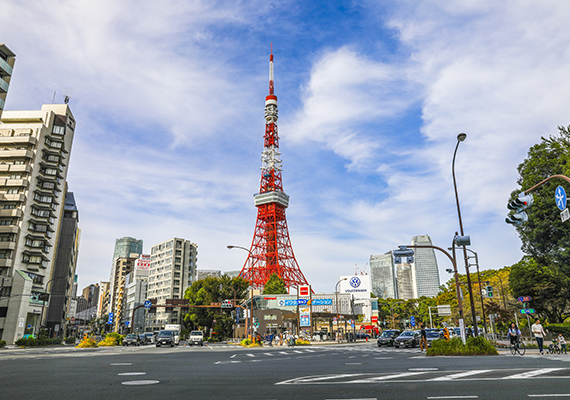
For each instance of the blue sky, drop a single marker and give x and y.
(168, 98)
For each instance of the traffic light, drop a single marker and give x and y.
(518, 206)
(403, 252)
(489, 291)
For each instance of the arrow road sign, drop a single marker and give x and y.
(560, 197)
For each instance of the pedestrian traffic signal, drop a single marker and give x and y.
(489, 291)
(518, 205)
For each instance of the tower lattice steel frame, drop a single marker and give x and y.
(271, 250)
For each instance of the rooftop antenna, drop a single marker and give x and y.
(66, 97)
(53, 100)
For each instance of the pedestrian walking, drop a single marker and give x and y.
(423, 338)
(562, 343)
(539, 335)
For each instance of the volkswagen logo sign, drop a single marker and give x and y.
(354, 282)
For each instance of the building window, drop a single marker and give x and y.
(9, 206)
(58, 130)
(13, 191)
(6, 222)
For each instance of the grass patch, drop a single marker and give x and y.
(475, 346)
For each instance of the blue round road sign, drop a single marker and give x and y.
(560, 198)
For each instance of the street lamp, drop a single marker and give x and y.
(336, 295)
(460, 138)
(229, 246)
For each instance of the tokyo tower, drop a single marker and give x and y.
(271, 250)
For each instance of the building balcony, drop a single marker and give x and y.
(9, 229)
(6, 262)
(19, 168)
(10, 153)
(15, 212)
(7, 245)
(3, 86)
(14, 182)
(5, 68)
(19, 197)
(24, 139)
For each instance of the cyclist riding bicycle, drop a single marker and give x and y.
(514, 334)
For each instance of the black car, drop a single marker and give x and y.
(165, 338)
(407, 338)
(387, 337)
(433, 335)
(132, 339)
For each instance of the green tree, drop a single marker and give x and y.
(544, 236)
(214, 290)
(546, 284)
(275, 285)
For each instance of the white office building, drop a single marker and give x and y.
(426, 273)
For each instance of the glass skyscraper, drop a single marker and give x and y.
(425, 268)
(382, 276)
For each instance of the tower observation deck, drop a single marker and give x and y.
(271, 250)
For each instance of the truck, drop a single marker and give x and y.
(196, 338)
(176, 329)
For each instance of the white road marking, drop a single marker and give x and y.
(423, 369)
(460, 375)
(549, 395)
(132, 373)
(530, 374)
(250, 355)
(454, 397)
(122, 364)
(233, 356)
(131, 383)
(386, 377)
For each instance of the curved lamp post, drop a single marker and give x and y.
(460, 138)
(229, 246)
(336, 295)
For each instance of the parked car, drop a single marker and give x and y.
(149, 337)
(320, 336)
(387, 337)
(433, 335)
(407, 338)
(132, 339)
(362, 335)
(165, 338)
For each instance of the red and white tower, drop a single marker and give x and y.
(271, 250)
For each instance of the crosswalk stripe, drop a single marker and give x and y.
(460, 375)
(530, 374)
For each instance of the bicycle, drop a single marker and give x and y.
(553, 348)
(518, 347)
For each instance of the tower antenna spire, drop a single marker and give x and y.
(271, 79)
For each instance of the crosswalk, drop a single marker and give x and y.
(434, 376)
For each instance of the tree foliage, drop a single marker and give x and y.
(275, 285)
(214, 290)
(544, 273)
(546, 284)
(544, 236)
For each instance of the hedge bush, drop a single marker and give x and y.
(69, 340)
(2, 344)
(555, 329)
(36, 342)
(302, 342)
(475, 346)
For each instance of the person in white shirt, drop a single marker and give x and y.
(562, 343)
(538, 334)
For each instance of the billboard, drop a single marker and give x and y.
(357, 285)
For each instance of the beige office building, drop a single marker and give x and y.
(172, 270)
(34, 158)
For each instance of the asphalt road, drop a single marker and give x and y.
(344, 371)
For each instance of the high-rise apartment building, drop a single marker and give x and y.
(34, 159)
(64, 267)
(118, 295)
(425, 268)
(172, 270)
(124, 247)
(383, 276)
(7, 59)
(137, 284)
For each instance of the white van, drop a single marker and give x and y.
(176, 329)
